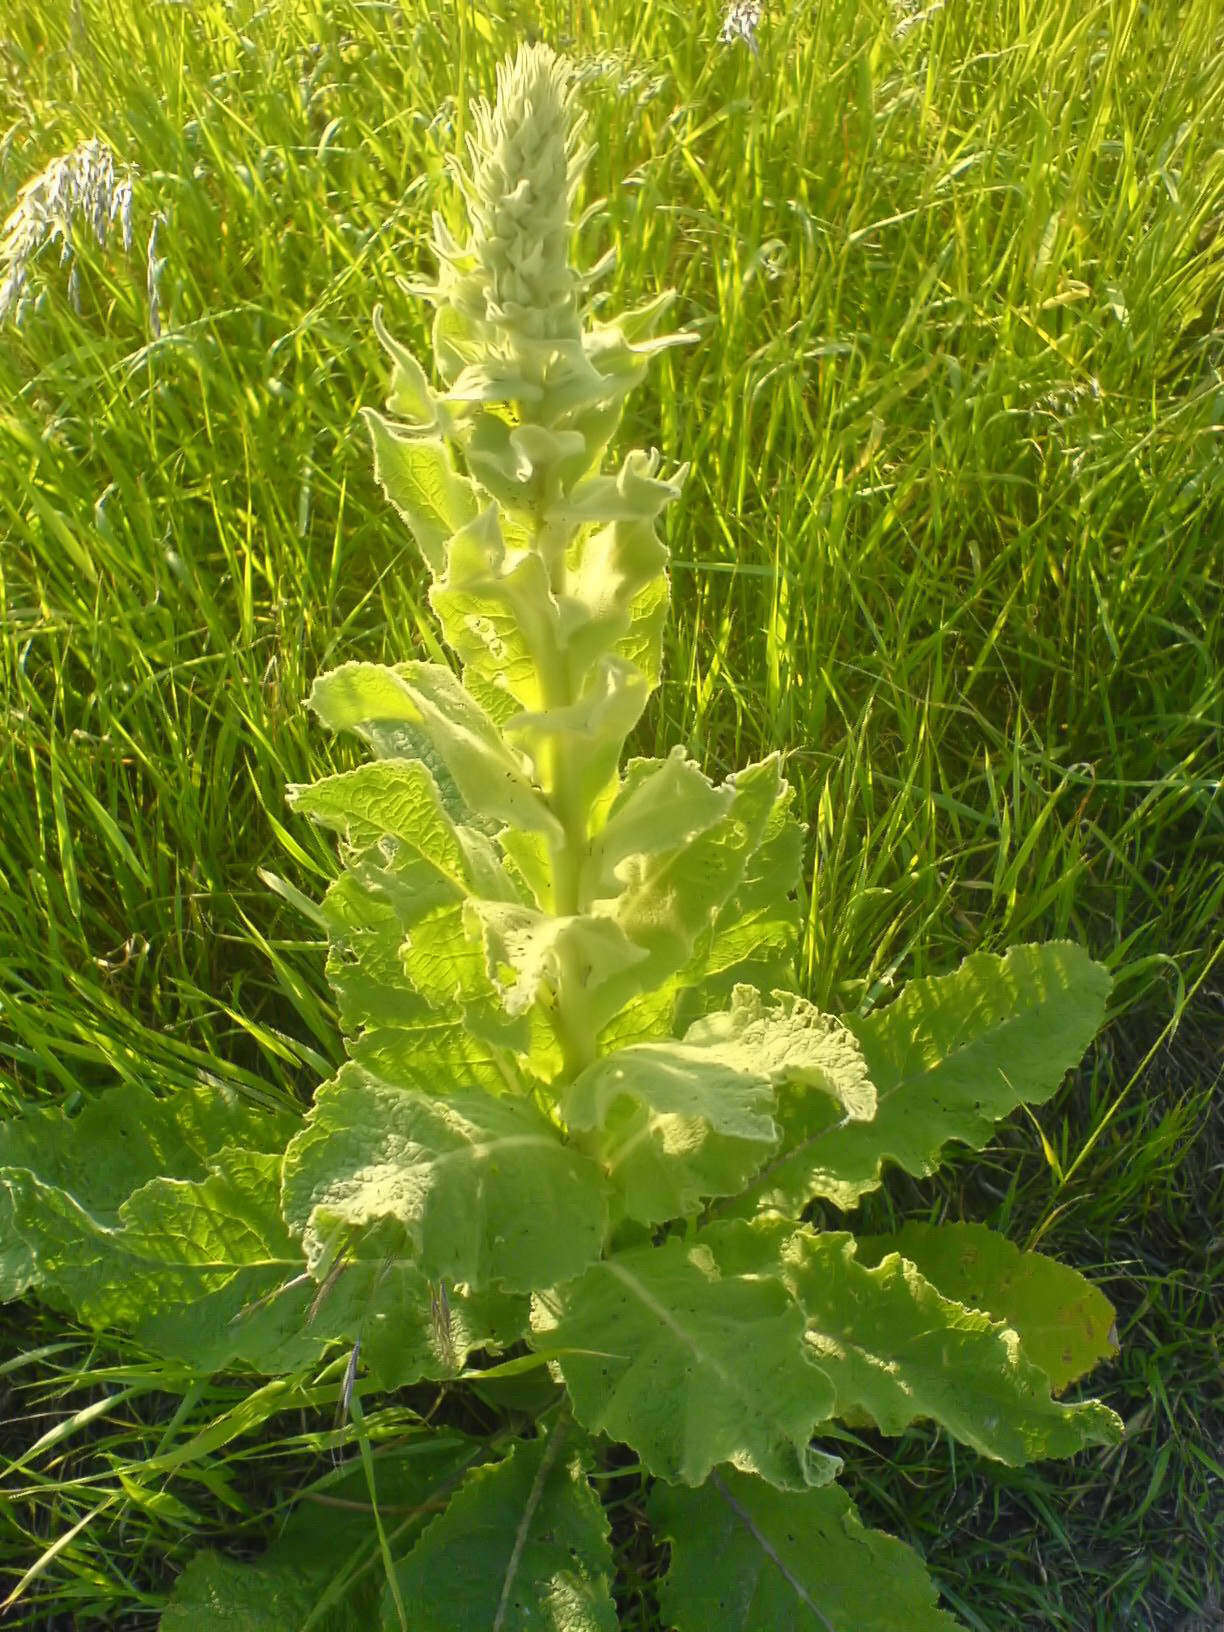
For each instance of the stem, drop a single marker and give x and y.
(571, 1019)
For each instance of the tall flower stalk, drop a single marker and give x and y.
(548, 577)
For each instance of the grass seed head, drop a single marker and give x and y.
(85, 186)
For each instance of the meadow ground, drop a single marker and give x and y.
(951, 539)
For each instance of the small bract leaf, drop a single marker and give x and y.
(586, 735)
(690, 1367)
(522, 1545)
(497, 612)
(418, 475)
(390, 799)
(668, 900)
(528, 952)
(410, 397)
(662, 804)
(746, 1557)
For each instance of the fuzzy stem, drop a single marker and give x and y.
(571, 1020)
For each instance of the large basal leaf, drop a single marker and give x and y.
(951, 1056)
(182, 1261)
(205, 1271)
(85, 1166)
(486, 1190)
(523, 1547)
(209, 1273)
(324, 1571)
(688, 1366)
(1065, 1325)
(893, 1348)
(748, 1558)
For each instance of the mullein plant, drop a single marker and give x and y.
(569, 1165)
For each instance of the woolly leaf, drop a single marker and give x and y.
(376, 702)
(793, 1042)
(418, 475)
(85, 1166)
(1065, 1324)
(408, 1326)
(484, 1188)
(682, 1121)
(617, 593)
(745, 1557)
(671, 899)
(662, 804)
(585, 736)
(529, 953)
(522, 1545)
(751, 938)
(182, 1262)
(673, 1126)
(497, 612)
(949, 1057)
(393, 799)
(413, 991)
(754, 937)
(892, 1347)
(689, 1367)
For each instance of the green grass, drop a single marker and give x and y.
(951, 539)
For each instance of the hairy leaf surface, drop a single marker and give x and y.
(891, 1346)
(1064, 1323)
(485, 1189)
(678, 1122)
(949, 1057)
(419, 476)
(498, 613)
(374, 700)
(690, 1367)
(746, 1557)
(523, 1545)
